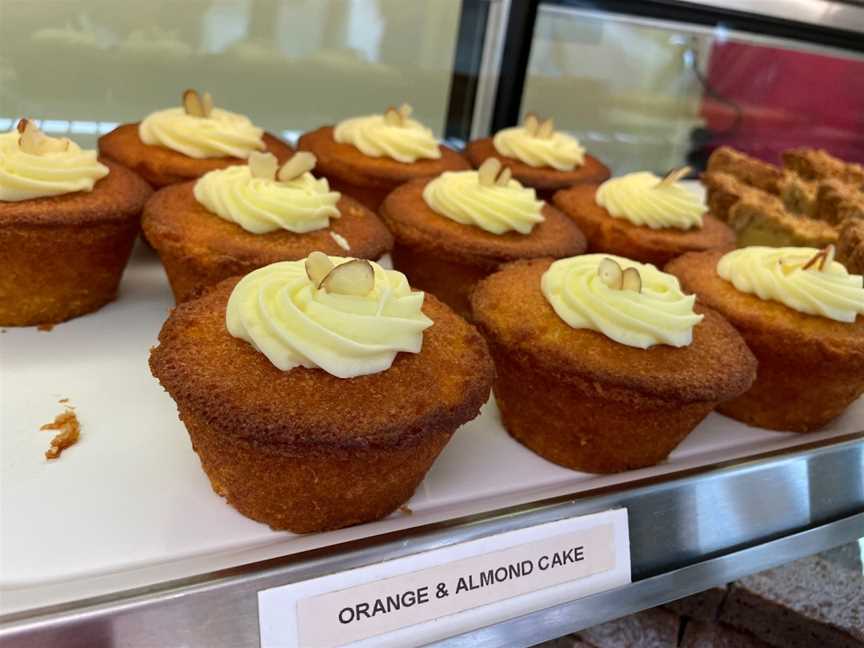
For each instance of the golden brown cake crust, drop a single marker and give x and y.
(162, 166)
(511, 310)
(544, 178)
(418, 226)
(347, 163)
(117, 197)
(225, 383)
(808, 337)
(619, 236)
(174, 218)
(63, 256)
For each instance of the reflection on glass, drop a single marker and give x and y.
(646, 94)
(292, 65)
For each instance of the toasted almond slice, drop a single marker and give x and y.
(318, 266)
(531, 123)
(504, 177)
(263, 165)
(829, 257)
(488, 171)
(392, 117)
(28, 141)
(610, 273)
(297, 165)
(356, 277)
(192, 103)
(631, 280)
(674, 176)
(405, 111)
(546, 129)
(207, 104)
(53, 144)
(819, 258)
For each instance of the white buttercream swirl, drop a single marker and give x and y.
(222, 134)
(777, 274)
(259, 205)
(458, 195)
(559, 151)
(641, 199)
(660, 314)
(374, 137)
(24, 176)
(280, 312)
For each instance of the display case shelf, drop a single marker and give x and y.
(689, 530)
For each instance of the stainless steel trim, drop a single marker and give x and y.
(490, 64)
(678, 522)
(576, 615)
(719, 33)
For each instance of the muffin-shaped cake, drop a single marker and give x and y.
(603, 364)
(368, 157)
(802, 315)
(67, 225)
(455, 229)
(317, 394)
(234, 220)
(643, 217)
(539, 156)
(179, 144)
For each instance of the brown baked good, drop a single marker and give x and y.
(809, 366)
(818, 164)
(605, 233)
(63, 256)
(748, 170)
(448, 258)
(546, 180)
(850, 246)
(584, 401)
(161, 166)
(803, 203)
(338, 451)
(701, 634)
(370, 179)
(198, 248)
(802, 604)
(759, 217)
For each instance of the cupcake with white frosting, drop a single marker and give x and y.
(604, 364)
(68, 220)
(455, 229)
(234, 220)
(644, 217)
(802, 314)
(539, 156)
(367, 157)
(317, 393)
(179, 144)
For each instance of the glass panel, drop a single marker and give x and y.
(290, 65)
(649, 94)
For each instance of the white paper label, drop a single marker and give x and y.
(450, 590)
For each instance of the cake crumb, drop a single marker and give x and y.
(406, 510)
(45, 327)
(69, 432)
(341, 241)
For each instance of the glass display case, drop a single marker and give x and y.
(125, 544)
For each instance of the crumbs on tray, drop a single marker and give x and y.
(69, 430)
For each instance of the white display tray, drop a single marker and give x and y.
(129, 504)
